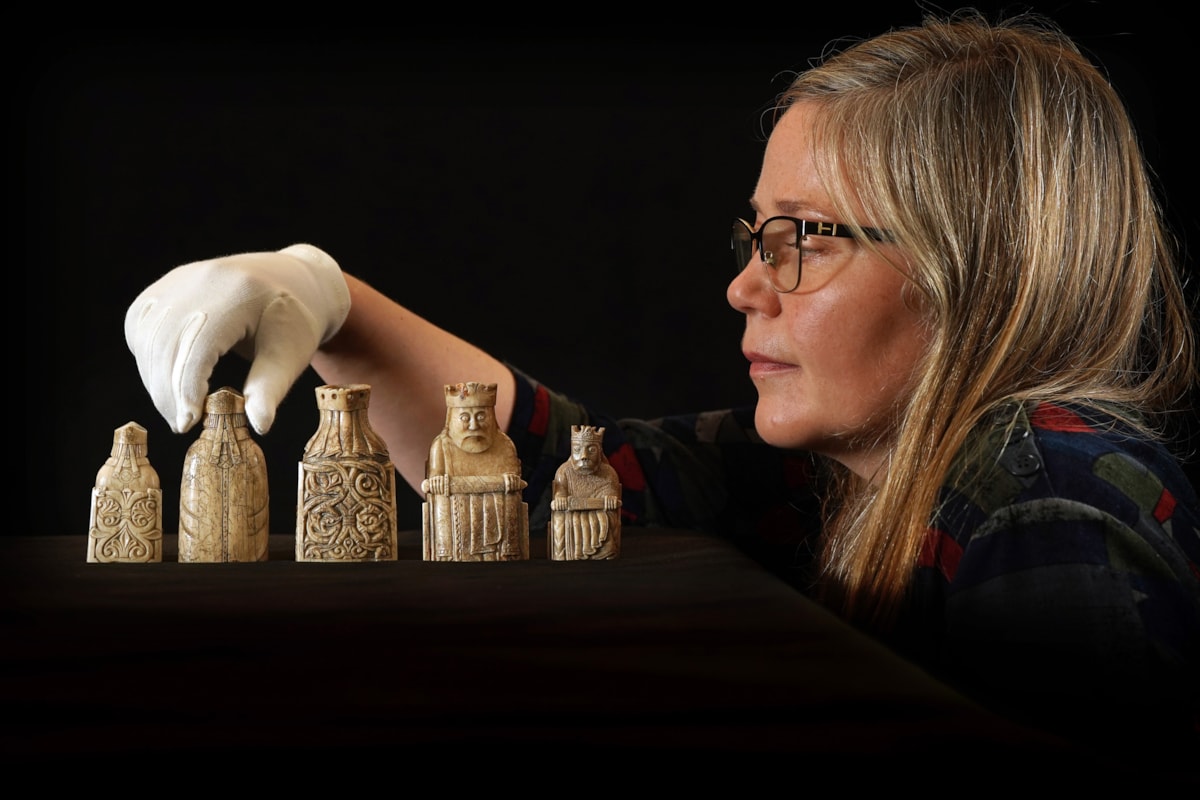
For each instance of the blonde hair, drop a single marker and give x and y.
(1009, 172)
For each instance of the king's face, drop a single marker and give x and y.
(471, 429)
(585, 456)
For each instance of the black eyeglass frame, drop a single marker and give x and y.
(804, 227)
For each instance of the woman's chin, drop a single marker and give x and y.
(778, 424)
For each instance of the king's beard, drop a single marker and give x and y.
(474, 444)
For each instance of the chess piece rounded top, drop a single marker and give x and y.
(225, 401)
(127, 463)
(129, 435)
(349, 397)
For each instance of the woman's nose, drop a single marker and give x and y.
(751, 291)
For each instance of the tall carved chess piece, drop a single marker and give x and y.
(126, 518)
(224, 505)
(346, 509)
(473, 509)
(585, 517)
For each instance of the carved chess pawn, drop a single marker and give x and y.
(126, 516)
(473, 509)
(346, 508)
(224, 506)
(585, 516)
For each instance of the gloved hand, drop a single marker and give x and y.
(275, 309)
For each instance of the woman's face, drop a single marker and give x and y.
(831, 359)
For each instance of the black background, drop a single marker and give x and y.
(513, 187)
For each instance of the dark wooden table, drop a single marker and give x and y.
(682, 654)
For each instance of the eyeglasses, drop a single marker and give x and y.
(778, 242)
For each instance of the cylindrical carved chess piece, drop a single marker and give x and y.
(224, 508)
(126, 517)
(346, 498)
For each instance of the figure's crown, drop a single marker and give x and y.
(129, 435)
(344, 397)
(587, 434)
(225, 400)
(471, 394)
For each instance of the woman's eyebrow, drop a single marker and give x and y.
(793, 208)
(798, 208)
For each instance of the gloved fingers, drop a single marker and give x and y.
(283, 347)
(193, 365)
(139, 335)
(274, 308)
(176, 354)
(173, 369)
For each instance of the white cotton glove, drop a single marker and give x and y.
(275, 309)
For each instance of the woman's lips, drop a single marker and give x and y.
(763, 365)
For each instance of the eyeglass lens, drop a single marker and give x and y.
(780, 251)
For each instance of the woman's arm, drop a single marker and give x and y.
(407, 361)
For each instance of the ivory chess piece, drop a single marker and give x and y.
(224, 507)
(126, 516)
(473, 509)
(346, 508)
(585, 517)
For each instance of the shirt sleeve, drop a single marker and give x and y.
(707, 471)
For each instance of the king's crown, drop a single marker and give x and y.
(587, 434)
(470, 394)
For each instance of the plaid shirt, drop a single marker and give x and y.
(1059, 580)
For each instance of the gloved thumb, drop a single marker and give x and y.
(282, 353)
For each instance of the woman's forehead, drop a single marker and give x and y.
(789, 182)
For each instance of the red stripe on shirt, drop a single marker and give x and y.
(541, 411)
(1056, 418)
(1165, 507)
(628, 469)
(941, 551)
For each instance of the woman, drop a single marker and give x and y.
(1013, 408)
(964, 324)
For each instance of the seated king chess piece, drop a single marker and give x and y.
(473, 509)
(585, 517)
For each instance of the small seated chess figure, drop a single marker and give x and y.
(585, 517)
(473, 509)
